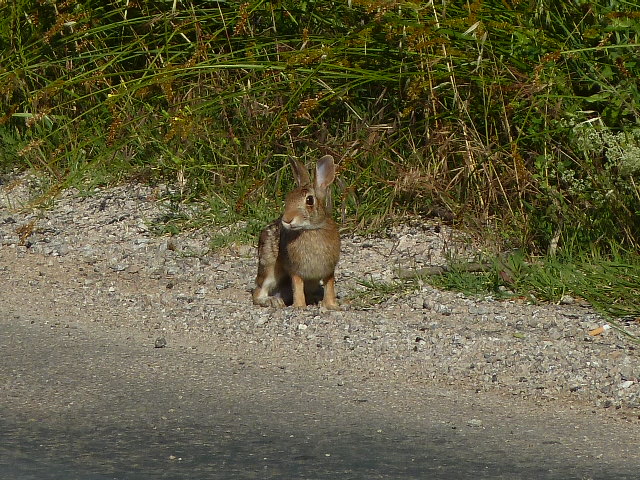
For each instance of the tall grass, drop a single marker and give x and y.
(516, 118)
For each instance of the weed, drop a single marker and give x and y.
(373, 292)
(611, 285)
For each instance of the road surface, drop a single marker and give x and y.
(79, 401)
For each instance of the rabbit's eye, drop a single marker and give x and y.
(310, 200)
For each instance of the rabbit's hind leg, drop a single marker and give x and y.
(267, 283)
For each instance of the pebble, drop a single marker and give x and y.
(474, 422)
(261, 321)
(567, 300)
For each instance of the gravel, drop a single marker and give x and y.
(96, 255)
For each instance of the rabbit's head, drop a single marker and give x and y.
(306, 206)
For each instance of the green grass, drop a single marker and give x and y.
(611, 285)
(225, 225)
(517, 120)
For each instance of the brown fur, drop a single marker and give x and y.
(300, 250)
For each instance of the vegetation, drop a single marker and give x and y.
(518, 120)
(609, 284)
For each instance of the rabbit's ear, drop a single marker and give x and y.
(325, 173)
(300, 172)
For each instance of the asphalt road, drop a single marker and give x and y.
(92, 404)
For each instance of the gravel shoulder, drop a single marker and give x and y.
(94, 259)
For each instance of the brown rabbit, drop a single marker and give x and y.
(302, 247)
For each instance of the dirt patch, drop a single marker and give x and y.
(94, 258)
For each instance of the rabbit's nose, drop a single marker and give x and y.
(288, 225)
(292, 223)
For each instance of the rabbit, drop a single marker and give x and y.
(302, 247)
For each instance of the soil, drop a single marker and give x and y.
(93, 257)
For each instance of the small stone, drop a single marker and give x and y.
(474, 422)
(438, 308)
(567, 300)
(160, 342)
(629, 371)
(555, 334)
(478, 310)
(172, 270)
(261, 321)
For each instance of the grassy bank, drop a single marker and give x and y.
(516, 120)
